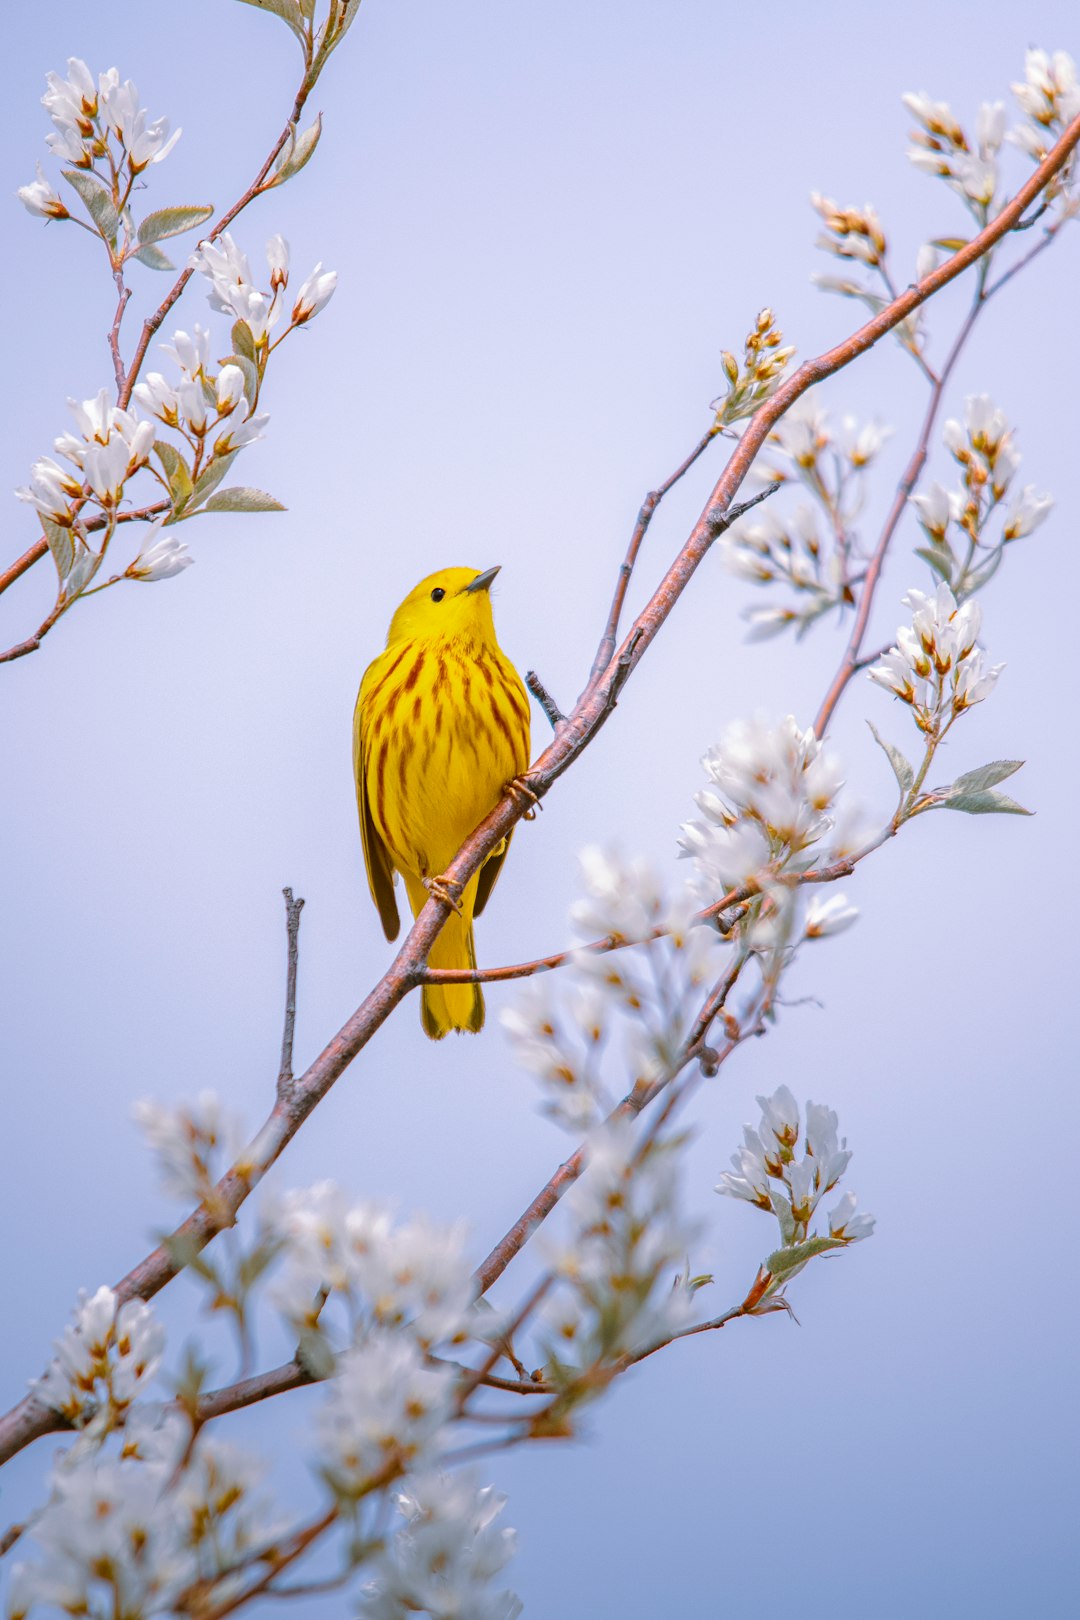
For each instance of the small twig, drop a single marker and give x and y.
(545, 700)
(114, 330)
(722, 520)
(293, 908)
(626, 567)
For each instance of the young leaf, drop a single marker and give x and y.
(938, 561)
(60, 544)
(987, 776)
(242, 340)
(153, 258)
(288, 10)
(903, 772)
(985, 803)
(239, 499)
(298, 152)
(171, 222)
(783, 1262)
(211, 476)
(98, 202)
(176, 471)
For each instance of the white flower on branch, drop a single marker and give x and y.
(232, 289)
(775, 787)
(935, 666)
(1029, 509)
(144, 143)
(72, 104)
(159, 398)
(412, 1274)
(190, 1142)
(191, 353)
(846, 1225)
(242, 429)
(161, 556)
(314, 295)
(1049, 96)
(770, 1174)
(627, 1242)
(104, 426)
(829, 916)
(384, 1413)
(443, 1560)
(106, 1357)
(277, 257)
(850, 233)
(51, 490)
(40, 198)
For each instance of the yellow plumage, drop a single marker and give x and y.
(441, 726)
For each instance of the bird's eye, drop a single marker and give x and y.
(437, 594)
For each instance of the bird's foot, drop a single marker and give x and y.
(445, 890)
(524, 794)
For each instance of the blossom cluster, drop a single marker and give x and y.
(96, 122)
(620, 1265)
(108, 1356)
(765, 358)
(957, 522)
(443, 1559)
(560, 1026)
(1049, 98)
(771, 1173)
(409, 1276)
(936, 666)
(940, 147)
(827, 463)
(138, 1531)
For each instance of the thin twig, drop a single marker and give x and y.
(114, 330)
(293, 908)
(626, 567)
(545, 700)
(157, 1269)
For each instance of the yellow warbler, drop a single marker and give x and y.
(441, 728)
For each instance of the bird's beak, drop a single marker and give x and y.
(482, 582)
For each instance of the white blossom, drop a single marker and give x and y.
(191, 353)
(846, 1225)
(384, 1410)
(935, 666)
(1027, 512)
(188, 1142)
(161, 556)
(145, 143)
(51, 490)
(41, 198)
(106, 1356)
(444, 1559)
(829, 916)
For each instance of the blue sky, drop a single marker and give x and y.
(547, 224)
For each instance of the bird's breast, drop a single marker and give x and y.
(446, 726)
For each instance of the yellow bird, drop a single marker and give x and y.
(441, 729)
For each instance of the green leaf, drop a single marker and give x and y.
(288, 10)
(98, 202)
(153, 258)
(243, 340)
(784, 1262)
(986, 803)
(949, 244)
(211, 476)
(939, 561)
(176, 471)
(987, 776)
(60, 543)
(251, 376)
(339, 20)
(172, 222)
(782, 1211)
(240, 499)
(296, 153)
(904, 773)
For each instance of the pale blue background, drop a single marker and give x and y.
(548, 221)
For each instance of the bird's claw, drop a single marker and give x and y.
(519, 788)
(443, 889)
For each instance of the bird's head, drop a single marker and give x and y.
(455, 602)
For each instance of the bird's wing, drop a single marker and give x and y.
(489, 876)
(380, 871)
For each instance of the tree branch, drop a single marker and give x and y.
(159, 1267)
(293, 908)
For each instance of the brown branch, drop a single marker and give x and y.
(852, 660)
(114, 330)
(159, 1267)
(626, 567)
(293, 908)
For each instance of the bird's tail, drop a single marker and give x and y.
(450, 1006)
